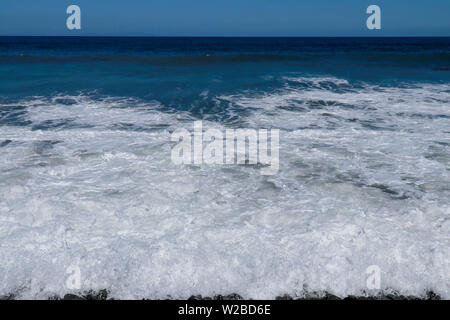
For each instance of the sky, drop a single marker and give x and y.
(225, 17)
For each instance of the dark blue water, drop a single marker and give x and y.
(175, 70)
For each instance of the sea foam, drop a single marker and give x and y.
(363, 180)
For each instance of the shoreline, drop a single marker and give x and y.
(104, 295)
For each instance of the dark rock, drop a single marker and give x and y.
(100, 295)
(359, 298)
(329, 296)
(72, 297)
(394, 297)
(432, 296)
(284, 297)
(232, 296)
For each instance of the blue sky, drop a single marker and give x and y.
(226, 17)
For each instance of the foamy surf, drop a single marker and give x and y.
(363, 180)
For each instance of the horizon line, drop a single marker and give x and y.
(223, 36)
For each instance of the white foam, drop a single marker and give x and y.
(111, 202)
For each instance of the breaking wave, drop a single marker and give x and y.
(364, 180)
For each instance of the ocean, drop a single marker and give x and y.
(90, 199)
